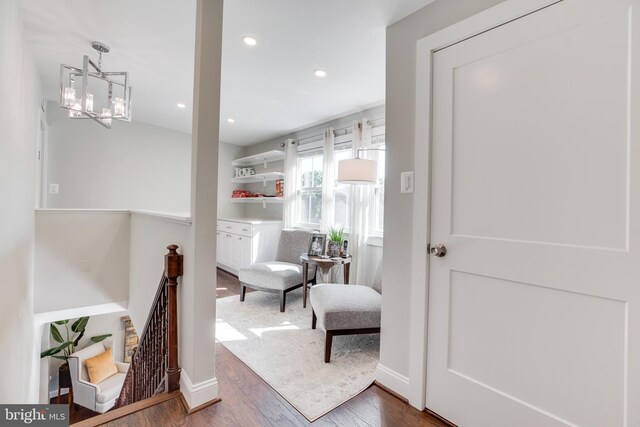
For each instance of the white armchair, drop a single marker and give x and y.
(98, 397)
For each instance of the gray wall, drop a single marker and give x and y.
(400, 126)
(130, 166)
(21, 91)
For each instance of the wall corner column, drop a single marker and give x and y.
(198, 292)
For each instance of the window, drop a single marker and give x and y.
(309, 202)
(309, 193)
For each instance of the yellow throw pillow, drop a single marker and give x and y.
(101, 367)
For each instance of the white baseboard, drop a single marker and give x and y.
(391, 379)
(54, 393)
(198, 394)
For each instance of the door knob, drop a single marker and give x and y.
(438, 250)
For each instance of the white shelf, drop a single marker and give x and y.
(261, 158)
(259, 177)
(257, 199)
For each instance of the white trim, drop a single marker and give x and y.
(184, 219)
(82, 211)
(180, 218)
(425, 48)
(394, 381)
(198, 394)
(54, 393)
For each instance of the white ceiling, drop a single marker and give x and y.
(268, 89)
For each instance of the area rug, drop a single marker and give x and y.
(284, 351)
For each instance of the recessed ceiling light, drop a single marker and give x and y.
(320, 73)
(181, 105)
(230, 120)
(250, 41)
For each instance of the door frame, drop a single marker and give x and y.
(425, 49)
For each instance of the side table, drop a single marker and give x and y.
(325, 264)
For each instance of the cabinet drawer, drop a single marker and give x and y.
(240, 228)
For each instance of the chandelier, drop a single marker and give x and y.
(91, 93)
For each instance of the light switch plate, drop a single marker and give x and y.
(54, 188)
(406, 182)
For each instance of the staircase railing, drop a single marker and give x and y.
(154, 365)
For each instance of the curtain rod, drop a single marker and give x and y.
(347, 130)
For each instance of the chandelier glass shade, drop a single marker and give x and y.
(91, 93)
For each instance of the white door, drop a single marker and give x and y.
(533, 312)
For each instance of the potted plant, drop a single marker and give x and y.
(68, 340)
(336, 237)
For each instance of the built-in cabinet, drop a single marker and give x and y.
(242, 242)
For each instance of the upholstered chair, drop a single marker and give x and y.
(98, 397)
(346, 309)
(282, 275)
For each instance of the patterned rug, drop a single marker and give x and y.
(284, 351)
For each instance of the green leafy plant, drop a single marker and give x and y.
(336, 234)
(69, 338)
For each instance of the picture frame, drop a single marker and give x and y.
(317, 244)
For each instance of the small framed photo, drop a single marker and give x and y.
(317, 244)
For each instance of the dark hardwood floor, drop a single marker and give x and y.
(248, 401)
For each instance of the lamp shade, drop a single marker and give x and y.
(357, 171)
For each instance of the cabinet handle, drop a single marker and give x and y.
(244, 229)
(229, 227)
(239, 238)
(228, 235)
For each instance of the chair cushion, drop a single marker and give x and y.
(101, 367)
(110, 388)
(292, 244)
(271, 275)
(346, 306)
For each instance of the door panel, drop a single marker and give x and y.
(532, 313)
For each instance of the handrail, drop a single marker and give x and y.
(154, 364)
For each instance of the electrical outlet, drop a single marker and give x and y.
(406, 182)
(54, 188)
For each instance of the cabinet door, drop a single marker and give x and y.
(225, 249)
(218, 246)
(246, 247)
(236, 251)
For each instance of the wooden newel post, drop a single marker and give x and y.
(173, 270)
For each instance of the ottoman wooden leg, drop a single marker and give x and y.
(314, 319)
(328, 340)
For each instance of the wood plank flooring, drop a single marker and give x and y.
(248, 401)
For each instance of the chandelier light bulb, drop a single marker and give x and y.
(69, 96)
(106, 115)
(118, 107)
(89, 102)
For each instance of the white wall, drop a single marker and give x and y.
(130, 166)
(81, 259)
(98, 325)
(400, 126)
(20, 88)
(226, 154)
(148, 246)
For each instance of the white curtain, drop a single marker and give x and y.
(328, 180)
(290, 182)
(361, 200)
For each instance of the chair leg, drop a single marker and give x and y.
(314, 319)
(243, 290)
(328, 340)
(283, 299)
